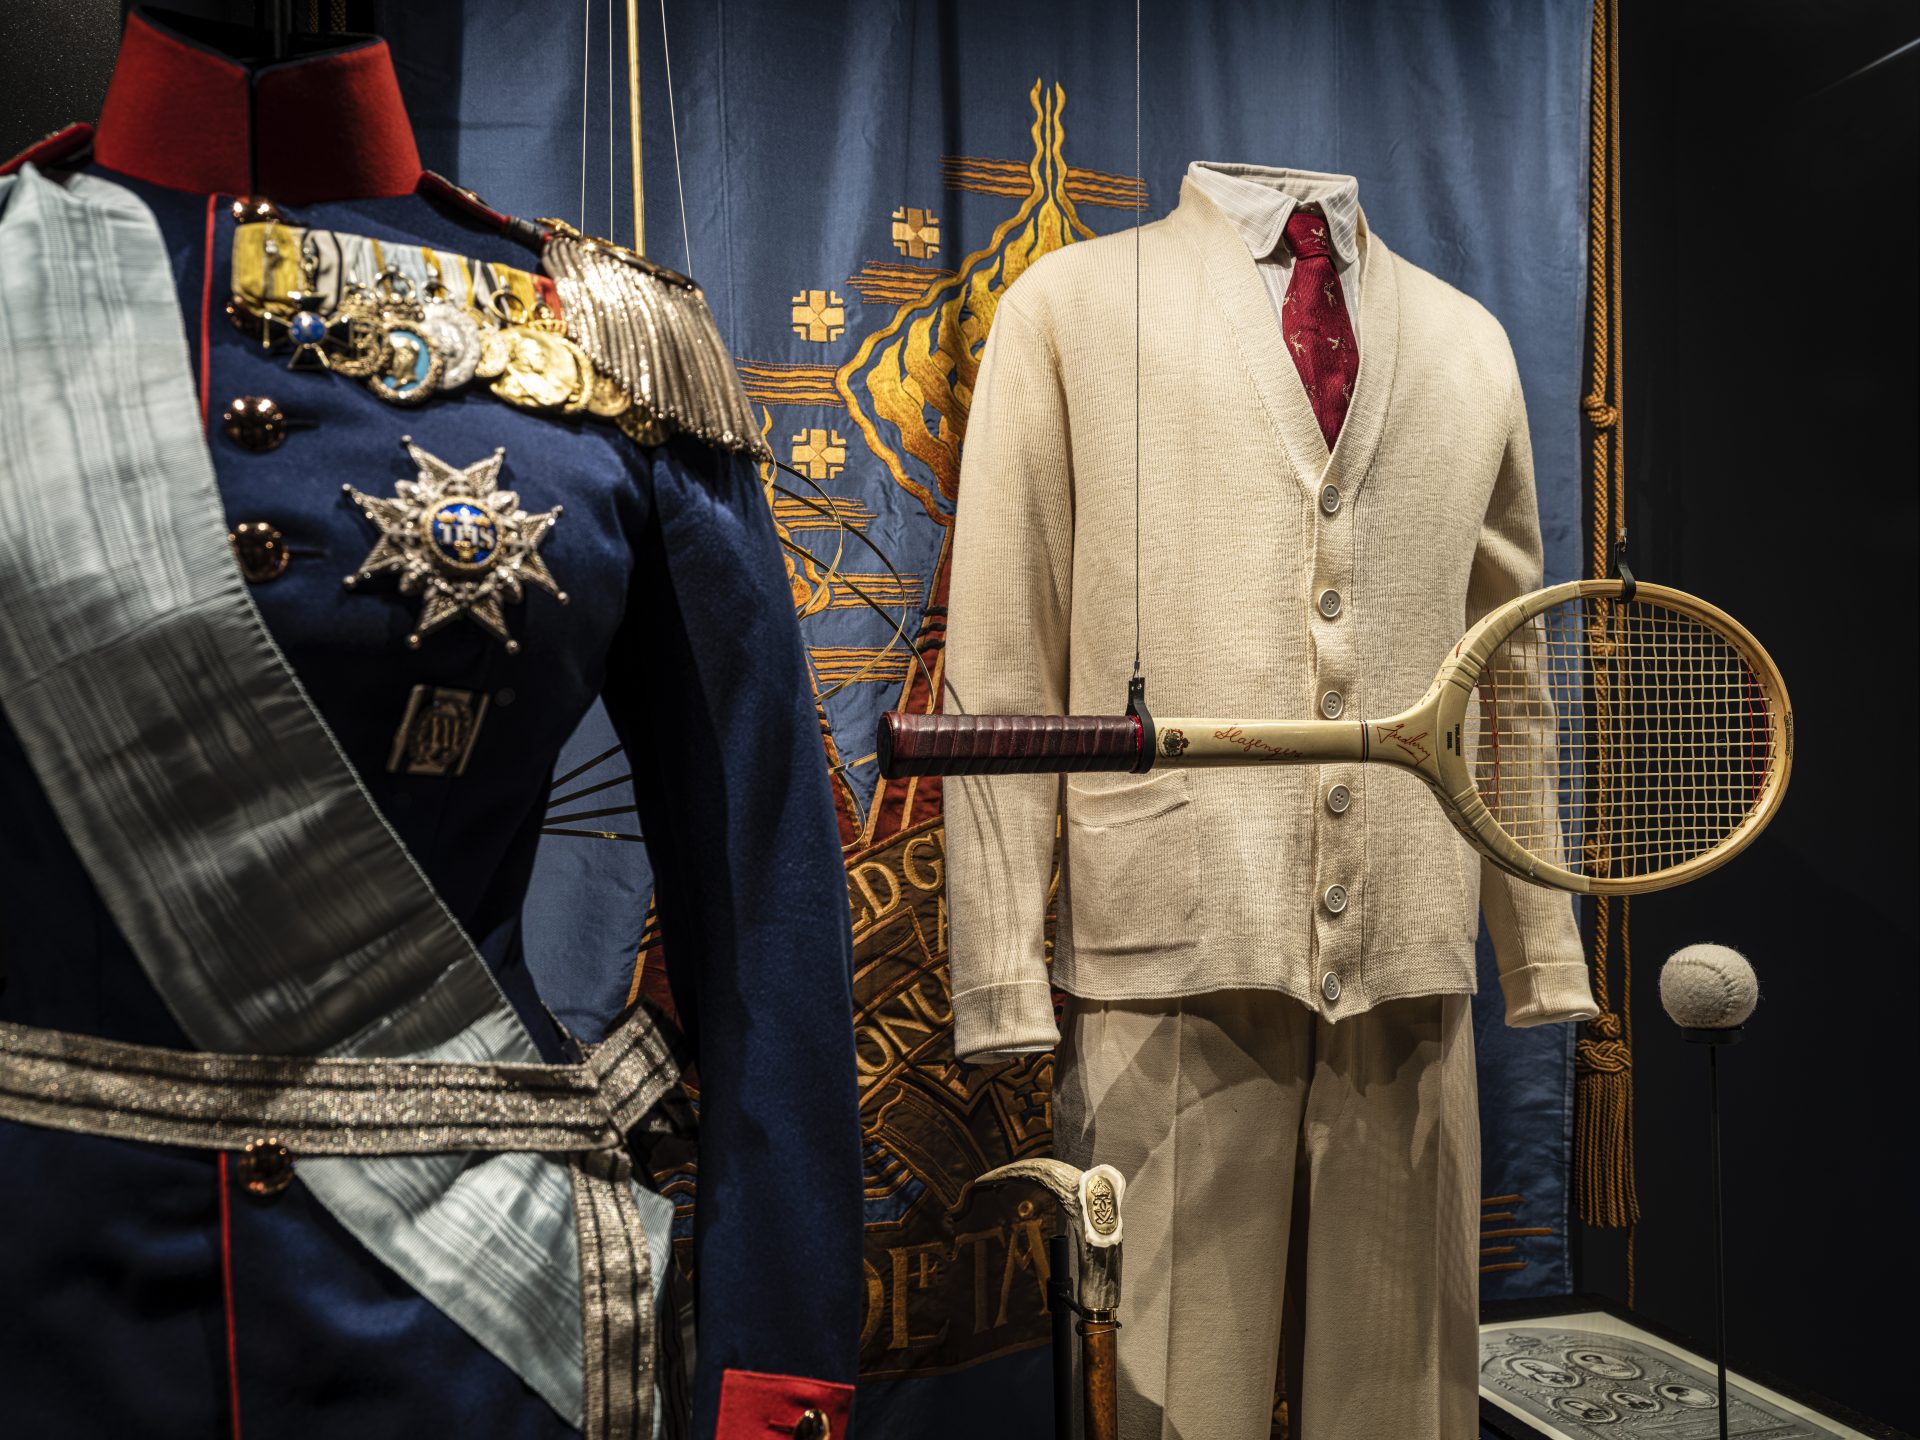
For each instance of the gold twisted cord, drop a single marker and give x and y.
(1605, 1193)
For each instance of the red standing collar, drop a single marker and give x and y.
(324, 126)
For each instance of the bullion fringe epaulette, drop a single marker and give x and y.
(650, 329)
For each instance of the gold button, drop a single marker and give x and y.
(254, 422)
(261, 551)
(252, 209)
(813, 1425)
(266, 1167)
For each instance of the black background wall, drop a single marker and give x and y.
(1773, 324)
(1772, 328)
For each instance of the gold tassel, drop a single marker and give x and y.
(1604, 1190)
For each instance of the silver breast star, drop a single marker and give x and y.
(456, 539)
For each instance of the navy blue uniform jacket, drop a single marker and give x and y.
(113, 1309)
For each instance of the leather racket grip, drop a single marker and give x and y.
(1005, 744)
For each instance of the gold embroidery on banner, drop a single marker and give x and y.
(962, 1275)
(882, 589)
(918, 372)
(916, 233)
(792, 514)
(789, 384)
(878, 282)
(805, 579)
(834, 663)
(1008, 177)
(819, 315)
(819, 454)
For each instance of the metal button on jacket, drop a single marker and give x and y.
(265, 1167)
(1335, 898)
(1331, 704)
(247, 208)
(1330, 499)
(813, 1425)
(1338, 799)
(254, 422)
(261, 551)
(1329, 603)
(1330, 986)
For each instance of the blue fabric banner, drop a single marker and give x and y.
(861, 180)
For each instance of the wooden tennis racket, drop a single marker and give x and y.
(1584, 737)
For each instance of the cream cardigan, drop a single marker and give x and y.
(1423, 518)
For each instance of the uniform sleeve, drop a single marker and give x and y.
(1007, 630)
(710, 694)
(1536, 941)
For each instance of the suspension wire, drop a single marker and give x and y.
(609, 121)
(673, 120)
(586, 56)
(1139, 203)
(633, 128)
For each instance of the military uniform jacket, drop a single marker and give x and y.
(141, 1292)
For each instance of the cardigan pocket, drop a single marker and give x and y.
(1130, 865)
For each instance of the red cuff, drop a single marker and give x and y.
(759, 1407)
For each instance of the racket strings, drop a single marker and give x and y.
(1617, 740)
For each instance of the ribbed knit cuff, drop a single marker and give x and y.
(990, 1020)
(1549, 994)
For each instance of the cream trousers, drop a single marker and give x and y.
(1282, 1166)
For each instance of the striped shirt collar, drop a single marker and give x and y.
(1259, 199)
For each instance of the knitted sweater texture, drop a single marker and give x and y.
(1421, 519)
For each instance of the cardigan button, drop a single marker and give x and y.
(1335, 899)
(1331, 704)
(1330, 987)
(1329, 603)
(1330, 499)
(1338, 799)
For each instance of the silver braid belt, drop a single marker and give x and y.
(82, 1083)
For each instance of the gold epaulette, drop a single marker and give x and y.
(649, 328)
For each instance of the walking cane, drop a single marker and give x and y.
(1090, 1209)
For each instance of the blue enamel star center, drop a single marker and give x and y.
(463, 534)
(459, 542)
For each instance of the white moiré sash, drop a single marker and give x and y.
(264, 894)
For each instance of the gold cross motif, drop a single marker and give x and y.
(1327, 290)
(819, 315)
(915, 233)
(819, 454)
(1334, 341)
(1299, 345)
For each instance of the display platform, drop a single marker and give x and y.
(1580, 1368)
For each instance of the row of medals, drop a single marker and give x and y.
(406, 349)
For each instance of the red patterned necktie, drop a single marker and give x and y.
(1314, 321)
